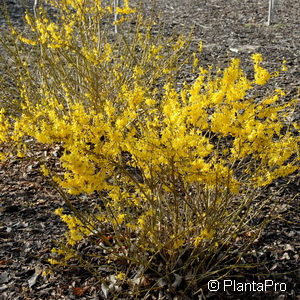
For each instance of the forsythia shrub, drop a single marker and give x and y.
(179, 169)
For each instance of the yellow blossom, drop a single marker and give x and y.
(121, 276)
(45, 170)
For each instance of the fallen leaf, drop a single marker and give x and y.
(77, 291)
(32, 280)
(177, 281)
(274, 267)
(4, 277)
(285, 256)
(289, 247)
(105, 290)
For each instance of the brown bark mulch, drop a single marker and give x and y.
(28, 227)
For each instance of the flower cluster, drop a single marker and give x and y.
(174, 164)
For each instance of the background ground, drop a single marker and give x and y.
(228, 28)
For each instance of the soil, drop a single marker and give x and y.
(28, 227)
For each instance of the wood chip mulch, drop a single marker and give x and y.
(28, 227)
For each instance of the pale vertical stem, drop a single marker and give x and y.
(271, 11)
(273, 4)
(116, 4)
(34, 7)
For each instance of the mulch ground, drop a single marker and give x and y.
(28, 227)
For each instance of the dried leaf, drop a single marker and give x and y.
(289, 247)
(178, 280)
(105, 290)
(3, 262)
(78, 291)
(285, 256)
(274, 267)
(4, 277)
(32, 280)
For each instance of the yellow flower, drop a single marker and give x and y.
(45, 170)
(119, 219)
(121, 276)
(141, 222)
(53, 261)
(177, 242)
(179, 44)
(59, 211)
(261, 75)
(150, 101)
(284, 67)
(205, 234)
(125, 10)
(3, 156)
(27, 41)
(257, 57)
